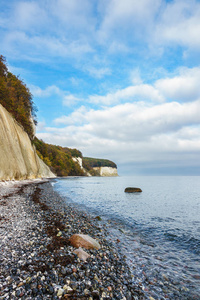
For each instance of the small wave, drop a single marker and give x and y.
(184, 241)
(162, 220)
(171, 236)
(194, 244)
(169, 219)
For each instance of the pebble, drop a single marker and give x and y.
(60, 292)
(37, 262)
(67, 289)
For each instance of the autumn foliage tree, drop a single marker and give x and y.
(58, 158)
(89, 162)
(17, 98)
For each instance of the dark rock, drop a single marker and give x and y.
(18, 292)
(50, 290)
(14, 271)
(95, 293)
(34, 291)
(132, 190)
(68, 271)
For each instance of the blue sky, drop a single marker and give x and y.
(115, 79)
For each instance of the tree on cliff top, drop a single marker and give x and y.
(17, 98)
(59, 159)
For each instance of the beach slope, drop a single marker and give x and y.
(37, 260)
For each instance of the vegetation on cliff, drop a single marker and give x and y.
(58, 158)
(89, 163)
(17, 99)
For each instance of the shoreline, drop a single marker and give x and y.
(37, 260)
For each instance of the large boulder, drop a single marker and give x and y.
(84, 241)
(132, 190)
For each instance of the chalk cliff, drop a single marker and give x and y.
(101, 171)
(106, 171)
(18, 158)
(79, 160)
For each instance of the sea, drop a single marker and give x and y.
(158, 230)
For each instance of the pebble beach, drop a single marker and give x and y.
(37, 260)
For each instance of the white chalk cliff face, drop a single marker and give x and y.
(102, 171)
(18, 158)
(106, 171)
(79, 160)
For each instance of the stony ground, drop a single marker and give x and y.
(37, 260)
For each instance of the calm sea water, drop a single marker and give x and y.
(158, 229)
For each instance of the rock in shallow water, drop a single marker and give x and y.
(132, 190)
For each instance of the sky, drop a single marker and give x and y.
(115, 79)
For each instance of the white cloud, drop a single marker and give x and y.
(28, 16)
(132, 133)
(57, 17)
(190, 133)
(183, 87)
(156, 23)
(41, 126)
(161, 127)
(70, 100)
(179, 24)
(77, 117)
(53, 90)
(47, 92)
(40, 48)
(39, 31)
(74, 16)
(98, 72)
(23, 15)
(138, 92)
(135, 77)
(118, 47)
(71, 28)
(127, 19)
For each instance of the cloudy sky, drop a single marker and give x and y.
(115, 79)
